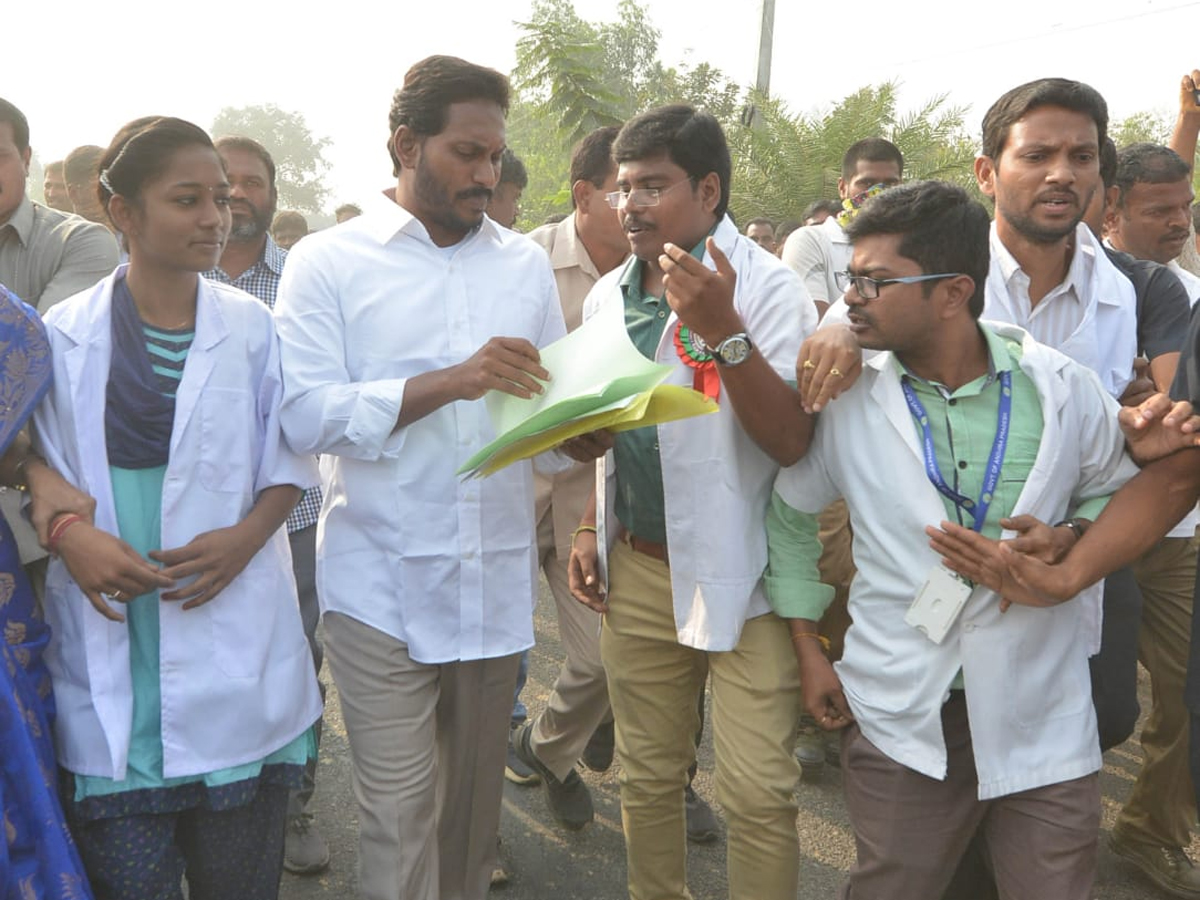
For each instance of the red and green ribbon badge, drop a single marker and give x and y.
(695, 354)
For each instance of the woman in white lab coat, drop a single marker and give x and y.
(183, 678)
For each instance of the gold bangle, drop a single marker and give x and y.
(575, 533)
(812, 634)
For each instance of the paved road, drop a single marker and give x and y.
(548, 863)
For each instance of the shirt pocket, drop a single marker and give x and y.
(226, 462)
(244, 622)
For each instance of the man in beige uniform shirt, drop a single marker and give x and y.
(582, 247)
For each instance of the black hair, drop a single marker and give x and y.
(1147, 163)
(512, 170)
(832, 207)
(762, 221)
(1108, 162)
(20, 125)
(591, 158)
(1016, 104)
(785, 228)
(287, 216)
(142, 150)
(431, 86)
(941, 229)
(248, 145)
(691, 138)
(82, 164)
(873, 149)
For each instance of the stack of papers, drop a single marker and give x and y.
(598, 380)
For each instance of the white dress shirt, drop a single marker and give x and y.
(1091, 316)
(404, 545)
(1026, 670)
(1191, 283)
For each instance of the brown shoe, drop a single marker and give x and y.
(1168, 867)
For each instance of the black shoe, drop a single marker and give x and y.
(598, 754)
(569, 800)
(515, 770)
(702, 826)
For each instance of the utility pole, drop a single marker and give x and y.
(766, 38)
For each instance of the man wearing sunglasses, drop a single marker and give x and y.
(960, 712)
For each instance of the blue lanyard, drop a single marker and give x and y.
(991, 477)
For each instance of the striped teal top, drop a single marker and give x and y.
(168, 351)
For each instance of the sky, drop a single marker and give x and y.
(83, 71)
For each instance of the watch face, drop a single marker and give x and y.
(734, 350)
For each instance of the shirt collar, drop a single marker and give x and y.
(569, 250)
(384, 219)
(22, 220)
(273, 256)
(1000, 359)
(631, 277)
(1079, 273)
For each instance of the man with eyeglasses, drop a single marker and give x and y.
(682, 590)
(960, 713)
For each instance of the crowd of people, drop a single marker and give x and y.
(945, 506)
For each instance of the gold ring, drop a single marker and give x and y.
(835, 372)
(809, 364)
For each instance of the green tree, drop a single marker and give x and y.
(1153, 127)
(785, 161)
(573, 76)
(299, 156)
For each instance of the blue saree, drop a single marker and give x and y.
(37, 857)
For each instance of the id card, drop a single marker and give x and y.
(938, 604)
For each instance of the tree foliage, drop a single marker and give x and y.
(573, 76)
(299, 156)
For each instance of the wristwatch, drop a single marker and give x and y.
(734, 350)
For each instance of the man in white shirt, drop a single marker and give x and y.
(1040, 163)
(1152, 208)
(684, 575)
(390, 327)
(817, 252)
(985, 722)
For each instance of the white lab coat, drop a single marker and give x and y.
(1026, 672)
(716, 480)
(236, 673)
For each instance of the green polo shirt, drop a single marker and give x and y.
(639, 503)
(963, 426)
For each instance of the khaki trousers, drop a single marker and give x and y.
(579, 699)
(1161, 806)
(428, 744)
(911, 830)
(653, 682)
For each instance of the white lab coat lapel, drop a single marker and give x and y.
(211, 329)
(887, 393)
(87, 364)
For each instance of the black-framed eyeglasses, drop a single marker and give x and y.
(640, 196)
(868, 288)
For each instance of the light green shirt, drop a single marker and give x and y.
(639, 503)
(963, 426)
